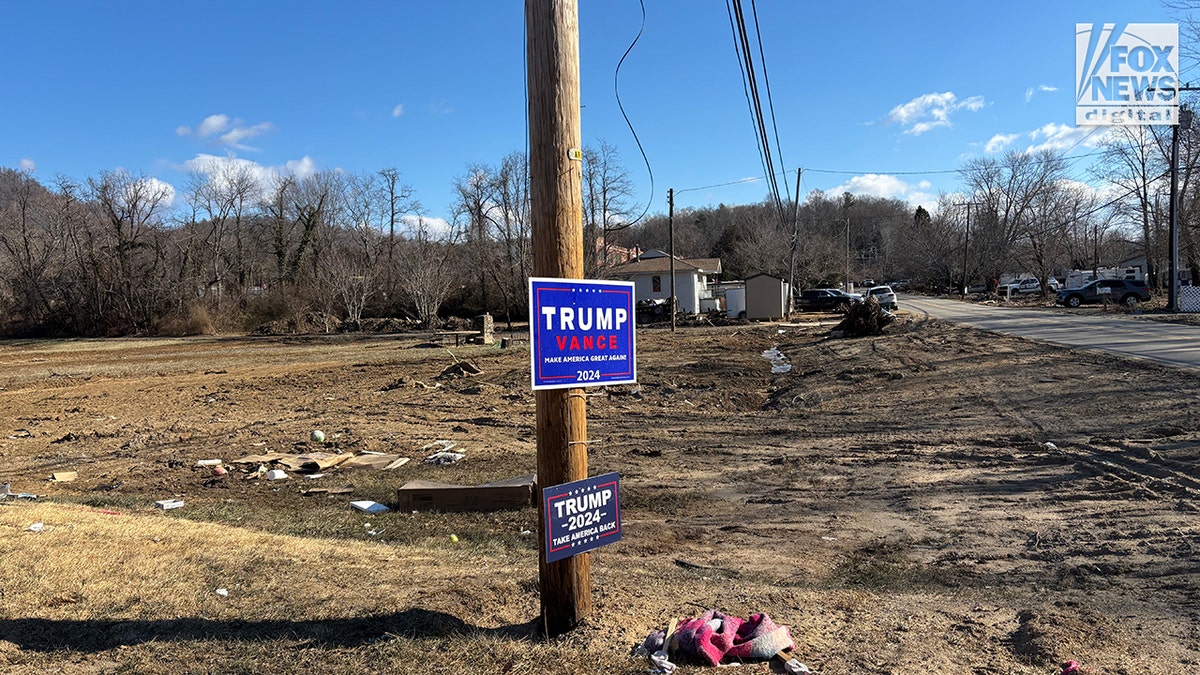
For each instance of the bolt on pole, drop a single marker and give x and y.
(556, 214)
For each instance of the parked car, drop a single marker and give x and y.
(885, 295)
(826, 299)
(901, 284)
(1128, 292)
(1026, 286)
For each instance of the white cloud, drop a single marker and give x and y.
(226, 131)
(888, 187)
(1040, 88)
(28, 164)
(234, 137)
(437, 228)
(223, 168)
(167, 190)
(999, 142)
(398, 110)
(1064, 138)
(930, 111)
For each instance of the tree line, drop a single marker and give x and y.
(110, 255)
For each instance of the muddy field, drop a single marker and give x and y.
(932, 500)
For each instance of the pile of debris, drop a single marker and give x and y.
(863, 318)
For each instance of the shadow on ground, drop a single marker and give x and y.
(96, 635)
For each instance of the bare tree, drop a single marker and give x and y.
(607, 191)
(431, 270)
(1004, 191)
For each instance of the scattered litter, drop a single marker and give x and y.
(378, 462)
(661, 663)
(314, 476)
(454, 538)
(167, 504)
(219, 471)
(1070, 667)
(64, 476)
(223, 592)
(526, 533)
(209, 462)
(19, 433)
(778, 359)
(317, 436)
(444, 458)
(259, 444)
(369, 506)
(792, 666)
(7, 493)
(1049, 446)
(511, 493)
(714, 637)
(277, 474)
(442, 454)
(37, 527)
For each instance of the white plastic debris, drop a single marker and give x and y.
(661, 663)
(794, 667)
(223, 592)
(37, 527)
(167, 504)
(443, 458)
(368, 506)
(1049, 446)
(314, 476)
(209, 462)
(277, 474)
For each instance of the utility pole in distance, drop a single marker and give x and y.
(556, 214)
(966, 242)
(671, 248)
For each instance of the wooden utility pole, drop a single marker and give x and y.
(795, 242)
(671, 247)
(556, 212)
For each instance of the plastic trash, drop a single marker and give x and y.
(444, 458)
(661, 663)
(277, 474)
(209, 462)
(37, 527)
(223, 592)
(368, 506)
(317, 436)
(167, 504)
(794, 667)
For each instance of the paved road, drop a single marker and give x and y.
(1168, 343)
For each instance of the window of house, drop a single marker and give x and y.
(656, 283)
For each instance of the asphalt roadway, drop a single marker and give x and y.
(1175, 344)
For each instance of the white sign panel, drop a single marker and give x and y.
(1126, 73)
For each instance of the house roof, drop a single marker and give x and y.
(663, 264)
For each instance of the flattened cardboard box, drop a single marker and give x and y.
(511, 493)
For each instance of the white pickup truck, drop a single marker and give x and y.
(1025, 286)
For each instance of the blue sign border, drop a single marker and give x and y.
(548, 373)
(593, 527)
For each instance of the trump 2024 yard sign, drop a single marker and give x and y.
(581, 332)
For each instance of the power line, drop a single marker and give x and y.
(617, 92)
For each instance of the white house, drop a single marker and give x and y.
(651, 276)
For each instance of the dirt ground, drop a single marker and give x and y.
(932, 500)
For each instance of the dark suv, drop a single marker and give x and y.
(1125, 291)
(826, 299)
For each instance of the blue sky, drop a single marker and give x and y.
(868, 96)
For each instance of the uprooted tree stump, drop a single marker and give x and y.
(864, 318)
